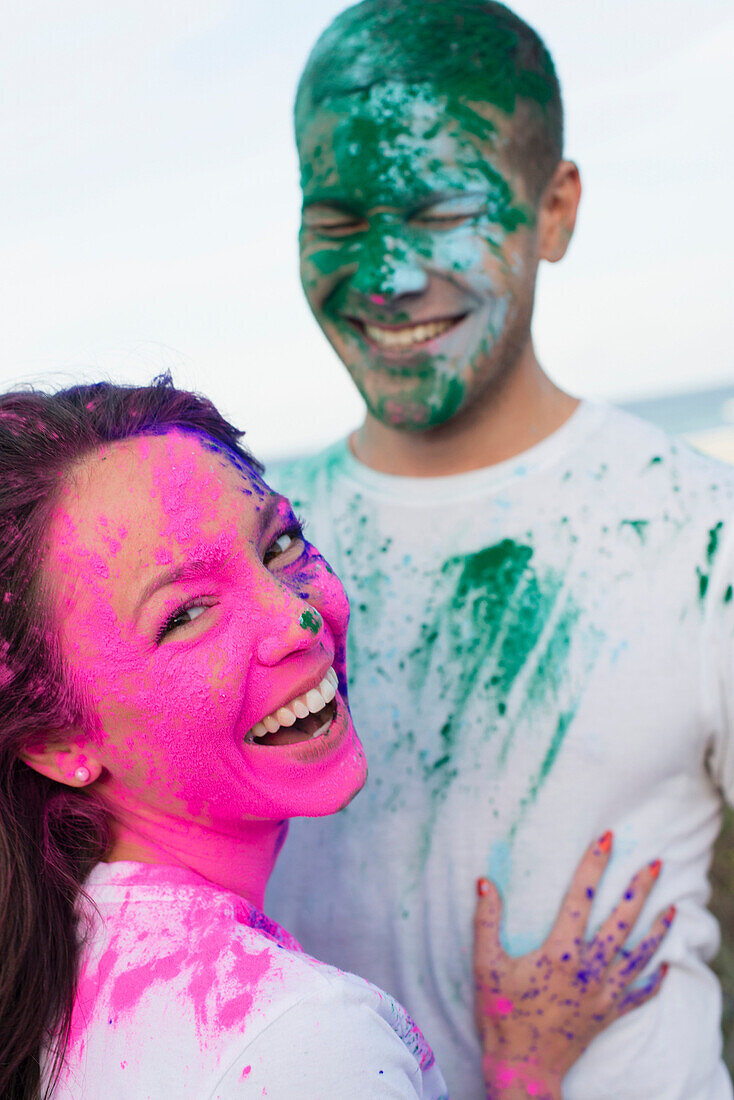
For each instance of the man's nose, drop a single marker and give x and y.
(388, 269)
(297, 629)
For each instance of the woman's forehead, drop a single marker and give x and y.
(137, 496)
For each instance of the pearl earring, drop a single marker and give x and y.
(82, 774)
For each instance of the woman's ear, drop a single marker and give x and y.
(63, 761)
(558, 208)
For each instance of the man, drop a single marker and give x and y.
(542, 611)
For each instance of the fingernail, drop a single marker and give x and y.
(669, 916)
(482, 887)
(664, 970)
(605, 842)
(656, 867)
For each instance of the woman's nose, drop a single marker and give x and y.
(290, 633)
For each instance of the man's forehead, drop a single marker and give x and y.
(400, 148)
(394, 108)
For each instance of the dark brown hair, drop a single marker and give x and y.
(51, 835)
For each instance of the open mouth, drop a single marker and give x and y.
(402, 338)
(302, 719)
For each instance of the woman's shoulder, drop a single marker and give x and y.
(182, 979)
(151, 925)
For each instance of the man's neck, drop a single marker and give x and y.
(516, 414)
(240, 859)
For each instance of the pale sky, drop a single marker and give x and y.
(149, 203)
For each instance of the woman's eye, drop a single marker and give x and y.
(281, 545)
(181, 617)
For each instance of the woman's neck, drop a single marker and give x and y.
(238, 858)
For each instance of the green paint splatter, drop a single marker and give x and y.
(656, 460)
(502, 623)
(639, 526)
(499, 629)
(712, 547)
(310, 620)
(729, 594)
(545, 768)
(713, 544)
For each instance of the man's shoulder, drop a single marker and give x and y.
(662, 466)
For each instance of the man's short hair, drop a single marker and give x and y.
(474, 49)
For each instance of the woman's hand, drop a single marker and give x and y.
(538, 1012)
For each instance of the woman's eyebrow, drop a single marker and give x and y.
(189, 569)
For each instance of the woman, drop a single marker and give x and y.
(172, 690)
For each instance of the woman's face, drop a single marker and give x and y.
(191, 610)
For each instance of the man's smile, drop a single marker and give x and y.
(397, 340)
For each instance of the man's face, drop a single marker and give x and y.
(418, 254)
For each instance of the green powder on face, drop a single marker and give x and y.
(467, 49)
(310, 620)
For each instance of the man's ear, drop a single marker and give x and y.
(557, 213)
(65, 761)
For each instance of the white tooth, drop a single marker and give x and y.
(314, 701)
(299, 707)
(272, 725)
(285, 716)
(259, 729)
(322, 728)
(331, 675)
(327, 690)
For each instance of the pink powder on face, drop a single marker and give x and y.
(173, 715)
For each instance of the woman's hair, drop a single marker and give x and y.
(52, 835)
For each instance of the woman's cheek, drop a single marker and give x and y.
(321, 586)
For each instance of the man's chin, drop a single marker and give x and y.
(413, 413)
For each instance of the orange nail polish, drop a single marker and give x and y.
(656, 867)
(664, 969)
(605, 842)
(482, 887)
(670, 915)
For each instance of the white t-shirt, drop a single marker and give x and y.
(540, 650)
(188, 991)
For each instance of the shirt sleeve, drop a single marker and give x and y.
(717, 674)
(332, 1045)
